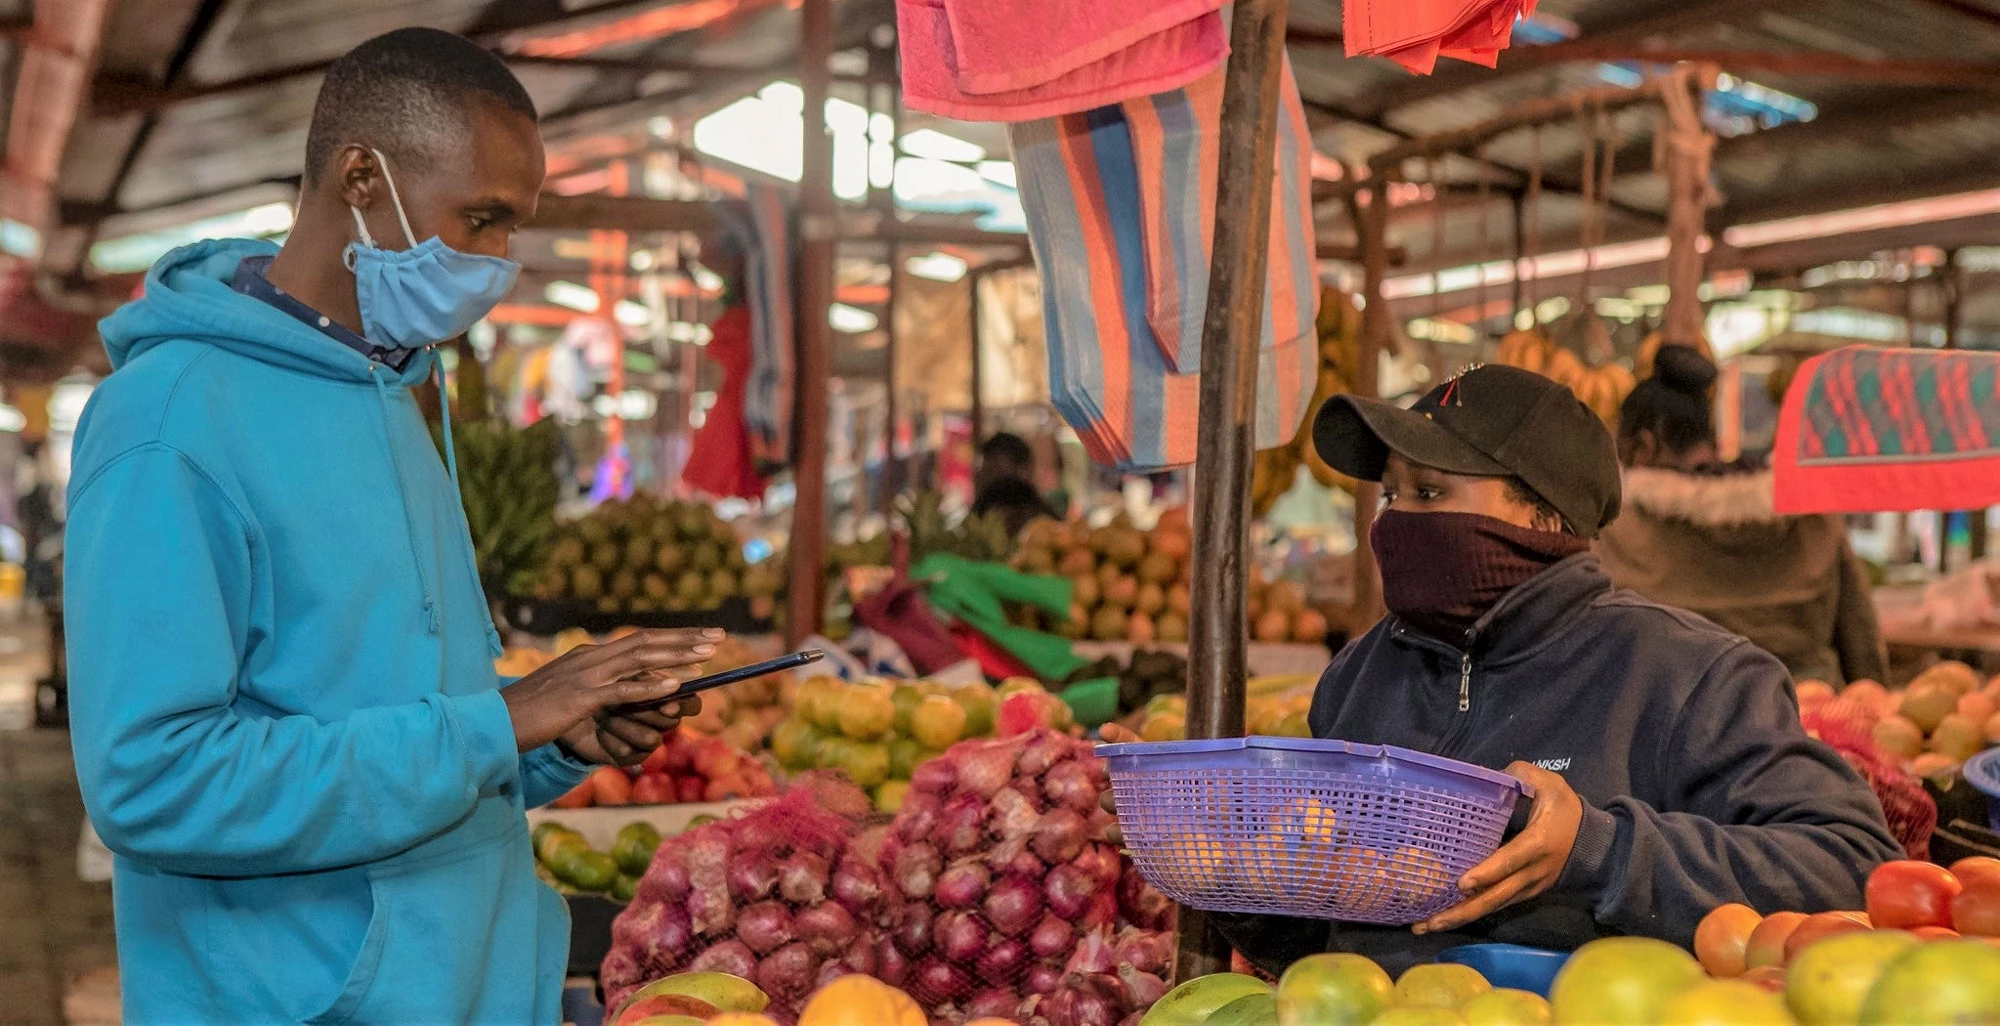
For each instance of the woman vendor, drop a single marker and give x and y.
(1670, 770)
(1703, 536)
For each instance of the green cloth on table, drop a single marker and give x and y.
(972, 592)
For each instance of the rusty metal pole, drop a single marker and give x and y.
(1231, 324)
(807, 593)
(1377, 331)
(978, 411)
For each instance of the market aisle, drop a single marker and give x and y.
(55, 927)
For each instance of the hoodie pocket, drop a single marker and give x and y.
(443, 928)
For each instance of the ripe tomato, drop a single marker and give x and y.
(1766, 946)
(1906, 894)
(1975, 867)
(1975, 911)
(1818, 927)
(1721, 939)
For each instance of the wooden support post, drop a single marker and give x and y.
(892, 466)
(1688, 146)
(807, 593)
(978, 411)
(1377, 337)
(1231, 322)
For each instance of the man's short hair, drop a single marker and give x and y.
(407, 93)
(1009, 447)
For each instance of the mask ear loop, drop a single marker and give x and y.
(394, 198)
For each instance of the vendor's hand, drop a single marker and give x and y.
(626, 738)
(573, 690)
(1525, 866)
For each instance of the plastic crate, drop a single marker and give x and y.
(1307, 827)
(1510, 965)
(1982, 771)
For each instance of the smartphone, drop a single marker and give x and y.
(727, 677)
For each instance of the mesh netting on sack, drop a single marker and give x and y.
(778, 896)
(1848, 728)
(1009, 898)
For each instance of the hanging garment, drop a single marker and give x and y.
(721, 463)
(1415, 33)
(1120, 205)
(759, 227)
(1869, 430)
(1016, 60)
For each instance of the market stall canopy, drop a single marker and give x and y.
(1866, 430)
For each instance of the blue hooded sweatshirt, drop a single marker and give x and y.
(286, 720)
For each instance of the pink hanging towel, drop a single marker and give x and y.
(1167, 59)
(1007, 45)
(1415, 33)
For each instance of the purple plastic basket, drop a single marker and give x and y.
(1307, 827)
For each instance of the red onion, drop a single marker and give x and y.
(917, 820)
(1058, 835)
(1141, 949)
(961, 885)
(827, 928)
(1042, 978)
(866, 846)
(1051, 937)
(752, 876)
(916, 869)
(962, 826)
(1085, 1001)
(1093, 954)
(761, 834)
(1003, 961)
(1044, 750)
(1013, 906)
(1023, 863)
(1069, 890)
(668, 941)
(936, 776)
(863, 958)
(1141, 902)
(1103, 912)
(829, 971)
(1069, 784)
(994, 1003)
(912, 930)
(765, 926)
(891, 966)
(1012, 815)
(857, 885)
(802, 878)
(788, 973)
(1143, 988)
(1135, 1019)
(711, 911)
(666, 879)
(1101, 826)
(1030, 791)
(961, 937)
(1101, 861)
(935, 981)
(731, 956)
(984, 766)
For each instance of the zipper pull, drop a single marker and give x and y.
(1465, 682)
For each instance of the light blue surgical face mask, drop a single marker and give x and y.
(425, 294)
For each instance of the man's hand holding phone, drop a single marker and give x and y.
(611, 703)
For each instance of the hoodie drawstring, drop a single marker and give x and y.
(433, 621)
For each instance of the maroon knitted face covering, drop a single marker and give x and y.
(1441, 572)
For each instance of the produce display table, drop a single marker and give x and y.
(1892, 602)
(600, 824)
(1263, 658)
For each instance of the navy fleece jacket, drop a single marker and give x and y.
(1699, 785)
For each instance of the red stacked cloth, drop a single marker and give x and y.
(1415, 33)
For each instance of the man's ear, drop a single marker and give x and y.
(356, 175)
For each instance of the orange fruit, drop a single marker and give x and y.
(1821, 926)
(1958, 737)
(1766, 945)
(1829, 980)
(1725, 1003)
(1927, 704)
(1333, 990)
(1943, 981)
(866, 711)
(861, 1001)
(1899, 736)
(1720, 940)
(937, 722)
(1440, 985)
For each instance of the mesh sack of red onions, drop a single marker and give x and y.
(1007, 896)
(783, 896)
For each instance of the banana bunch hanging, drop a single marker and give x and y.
(1273, 470)
(507, 482)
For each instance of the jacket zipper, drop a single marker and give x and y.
(1465, 682)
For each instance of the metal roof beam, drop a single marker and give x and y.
(1908, 72)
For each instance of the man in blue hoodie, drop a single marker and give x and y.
(287, 723)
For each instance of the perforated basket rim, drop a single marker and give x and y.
(1982, 771)
(1324, 746)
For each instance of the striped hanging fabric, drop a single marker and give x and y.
(1871, 430)
(1120, 207)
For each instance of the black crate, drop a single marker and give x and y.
(552, 616)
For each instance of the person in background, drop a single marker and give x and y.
(1005, 482)
(286, 720)
(1669, 768)
(1702, 536)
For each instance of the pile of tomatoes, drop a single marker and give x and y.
(1928, 900)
